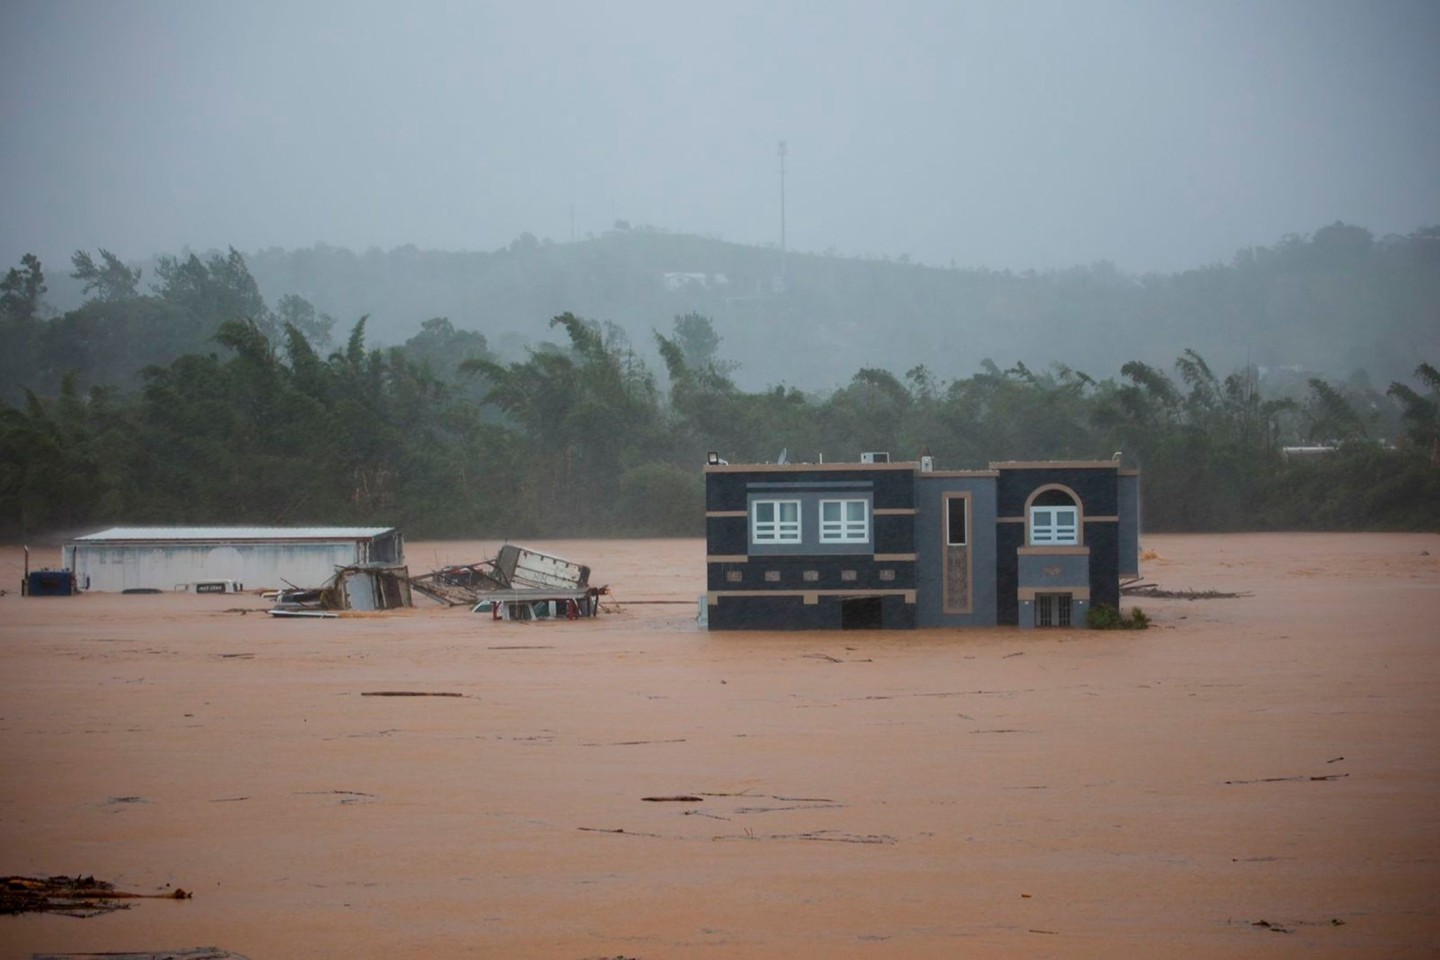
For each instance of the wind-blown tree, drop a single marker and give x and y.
(1330, 416)
(247, 418)
(706, 409)
(22, 292)
(364, 436)
(869, 413)
(56, 459)
(694, 334)
(1421, 414)
(585, 415)
(109, 281)
(219, 435)
(442, 348)
(214, 291)
(1206, 452)
(295, 311)
(1014, 414)
(118, 332)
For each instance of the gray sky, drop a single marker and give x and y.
(1159, 134)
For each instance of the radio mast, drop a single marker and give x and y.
(784, 280)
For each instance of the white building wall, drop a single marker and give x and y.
(163, 566)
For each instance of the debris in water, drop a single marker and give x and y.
(70, 896)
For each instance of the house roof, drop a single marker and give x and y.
(210, 534)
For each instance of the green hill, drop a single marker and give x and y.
(1334, 302)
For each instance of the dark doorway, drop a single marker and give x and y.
(860, 613)
(1052, 610)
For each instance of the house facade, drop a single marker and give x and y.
(886, 545)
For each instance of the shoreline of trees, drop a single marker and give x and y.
(245, 415)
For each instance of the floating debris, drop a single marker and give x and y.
(70, 896)
(1137, 589)
(192, 953)
(407, 693)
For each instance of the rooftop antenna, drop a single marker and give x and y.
(784, 284)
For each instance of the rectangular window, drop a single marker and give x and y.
(844, 521)
(1054, 526)
(955, 521)
(775, 521)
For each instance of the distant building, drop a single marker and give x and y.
(822, 546)
(698, 281)
(131, 558)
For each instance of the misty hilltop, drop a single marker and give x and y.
(1334, 302)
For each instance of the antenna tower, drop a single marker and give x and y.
(784, 281)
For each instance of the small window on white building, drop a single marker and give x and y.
(775, 521)
(844, 521)
(1054, 520)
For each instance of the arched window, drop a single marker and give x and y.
(1054, 518)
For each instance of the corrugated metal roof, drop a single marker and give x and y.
(237, 533)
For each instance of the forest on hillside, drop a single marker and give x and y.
(200, 403)
(1338, 303)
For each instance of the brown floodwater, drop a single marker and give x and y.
(1252, 777)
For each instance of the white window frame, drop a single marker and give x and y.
(778, 529)
(1047, 529)
(845, 528)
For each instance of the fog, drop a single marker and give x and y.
(1158, 136)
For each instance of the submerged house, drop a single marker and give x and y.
(889, 545)
(141, 558)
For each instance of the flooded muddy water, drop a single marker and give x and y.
(1251, 777)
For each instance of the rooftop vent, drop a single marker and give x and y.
(874, 457)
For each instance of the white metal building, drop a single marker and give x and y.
(164, 558)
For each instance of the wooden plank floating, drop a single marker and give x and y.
(407, 693)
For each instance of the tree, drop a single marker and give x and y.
(109, 283)
(442, 348)
(214, 290)
(695, 335)
(1331, 416)
(1421, 414)
(295, 311)
(21, 291)
(580, 414)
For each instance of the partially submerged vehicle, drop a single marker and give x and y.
(211, 586)
(540, 603)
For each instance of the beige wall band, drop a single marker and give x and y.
(714, 596)
(1076, 593)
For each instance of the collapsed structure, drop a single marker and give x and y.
(516, 584)
(887, 545)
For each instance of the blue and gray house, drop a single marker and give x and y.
(882, 545)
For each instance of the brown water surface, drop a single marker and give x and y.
(929, 794)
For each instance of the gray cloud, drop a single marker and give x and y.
(1040, 134)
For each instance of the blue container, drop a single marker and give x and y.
(50, 583)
